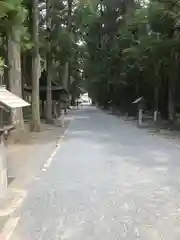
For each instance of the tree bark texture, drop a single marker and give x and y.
(35, 124)
(49, 64)
(14, 74)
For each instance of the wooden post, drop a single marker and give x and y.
(62, 117)
(55, 114)
(140, 117)
(155, 116)
(42, 108)
(3, 167)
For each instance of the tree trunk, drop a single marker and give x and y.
(163, 99)
(49, 64)
(65, 76)
(129, 10)
(67, 70)
(171, 88)
(14, 74)
(36, 123)
(23, 69)
(49, 91)
(171, 104)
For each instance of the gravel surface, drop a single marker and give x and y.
(108, 181)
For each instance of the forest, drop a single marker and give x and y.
(117, 50)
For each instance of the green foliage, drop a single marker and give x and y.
(118, 49)
(12, 16)
(12, 13)
(132, 56)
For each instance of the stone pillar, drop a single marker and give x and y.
(140, 117)
(62, 117)
(155, 116)
(3, 168)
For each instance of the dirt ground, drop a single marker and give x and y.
(24, 156)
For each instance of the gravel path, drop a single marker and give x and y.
(108, 181)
